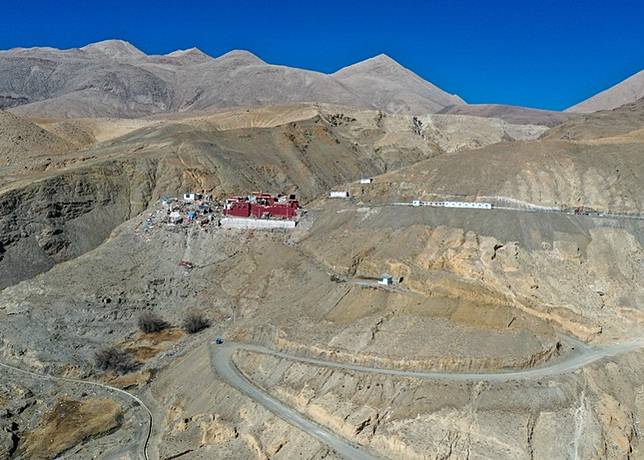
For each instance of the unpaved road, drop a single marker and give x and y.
(222, 362)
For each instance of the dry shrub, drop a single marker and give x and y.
(149, 322)
(114, 359)
(195, 322)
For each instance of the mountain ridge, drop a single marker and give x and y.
(113, 78)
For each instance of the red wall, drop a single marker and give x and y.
(286, 210)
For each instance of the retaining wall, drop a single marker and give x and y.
(240, 222)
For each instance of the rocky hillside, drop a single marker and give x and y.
(621, 125)
(553, 174)
(114, 79)
(63, 215)
(48, 205)
(85, 252)
(481, 290)
(21, 141)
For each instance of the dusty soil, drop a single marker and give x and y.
(70, 422)
(42, 417)
(144, 346)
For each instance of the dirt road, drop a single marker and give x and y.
(222, 361)
(221, 357)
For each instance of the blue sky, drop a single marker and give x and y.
(546, 54)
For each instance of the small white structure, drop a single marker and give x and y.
(452, 204)
(339, 195)
(467, 204)
(175, 217)
(190, 197)
(366, 180)
(386, 280)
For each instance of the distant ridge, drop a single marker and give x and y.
(113, 78)
(510, 113)
(625, 92)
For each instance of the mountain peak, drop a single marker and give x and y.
(382, 58)
(114, 49)
(194, 54)
(243, 56)
(406, 90)
(376, 64)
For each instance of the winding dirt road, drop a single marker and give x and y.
(222, 362)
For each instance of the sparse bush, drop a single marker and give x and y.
(115, 359)
(149, 322)
(195, 322)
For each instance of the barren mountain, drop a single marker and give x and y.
(622, 93)
(301, 149)
(620, 125)
(115, 79)
(550, 174)
(394, 88)
(509, 113)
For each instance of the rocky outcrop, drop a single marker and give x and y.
(67, 213)
(562, 270)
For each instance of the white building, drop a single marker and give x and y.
(339, 195)
(453, 204)
(386, 280)
(465, 204)
(175, 217)
(190, 197)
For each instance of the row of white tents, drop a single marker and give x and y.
(453, 204)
